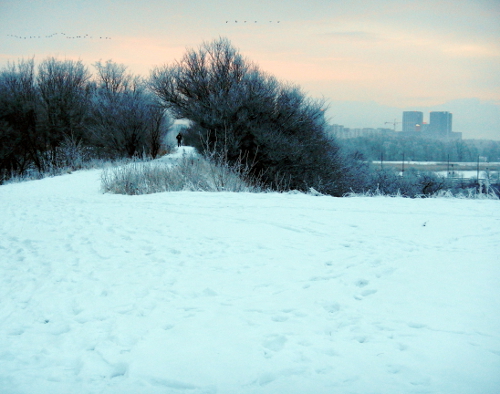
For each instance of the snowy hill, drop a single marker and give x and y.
(245, 293)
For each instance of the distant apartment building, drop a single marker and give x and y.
(440, 123)
(412, 121)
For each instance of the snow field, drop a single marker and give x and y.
(245, 293)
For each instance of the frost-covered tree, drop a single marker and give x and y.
(127, 118)
(21, 142)
(242, 113)
(65, 103)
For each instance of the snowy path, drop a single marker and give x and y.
(245, 293)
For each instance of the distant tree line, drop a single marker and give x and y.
(392, 148)
(58, 114)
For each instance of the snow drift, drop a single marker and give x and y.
(245, 293)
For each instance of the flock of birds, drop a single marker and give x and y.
(56, 34)
(87, 36)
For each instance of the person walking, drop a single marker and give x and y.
(179, 140)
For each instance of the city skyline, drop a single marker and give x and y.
(412, 123)
(362, 57)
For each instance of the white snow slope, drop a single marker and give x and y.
(245, 293)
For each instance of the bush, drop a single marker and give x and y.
(191, 173)
(238, 112)
(414, 184)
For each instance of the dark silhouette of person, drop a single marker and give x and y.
(179, 140)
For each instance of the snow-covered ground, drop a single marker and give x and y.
(245, 293)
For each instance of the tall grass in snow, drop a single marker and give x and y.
(190, 173)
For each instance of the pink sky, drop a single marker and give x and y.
(395, 53)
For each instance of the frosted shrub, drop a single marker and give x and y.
(189, 173)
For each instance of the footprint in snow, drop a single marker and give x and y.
(365, 293)
(274, 342)
(362, 283)
(279, 318)
(368, 292)
(416, 325)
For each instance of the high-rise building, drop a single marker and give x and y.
(412, 121)
(440, 123)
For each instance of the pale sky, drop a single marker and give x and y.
(370, 59)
